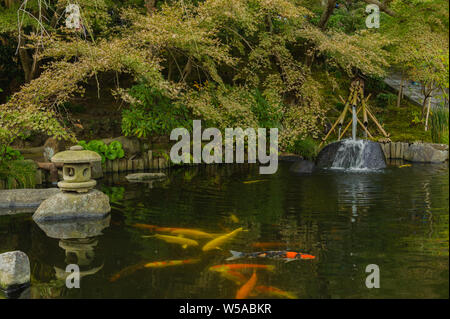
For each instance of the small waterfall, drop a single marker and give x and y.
(350, 155)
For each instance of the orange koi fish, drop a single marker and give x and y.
(127, 271)
(245, 290)
(226, 267)
(162, 264)
(273, 291)
(145, 226)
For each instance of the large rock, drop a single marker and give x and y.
(21, 198)
(425, 153)
(139, 177)
(302, 167)
(74, 229)
(14, 270)
(349, 154)
(67, 205)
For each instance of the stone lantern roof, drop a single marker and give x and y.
(75, 155)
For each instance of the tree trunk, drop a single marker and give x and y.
(400, 91)
(428, 114)
(327, 14)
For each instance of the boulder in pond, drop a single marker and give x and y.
(302, 167)
(14, 270)
(350, 154)
(70, 205)
(425, 153)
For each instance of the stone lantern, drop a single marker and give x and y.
(76, 169)
(78, 200)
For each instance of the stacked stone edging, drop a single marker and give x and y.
(405, 151)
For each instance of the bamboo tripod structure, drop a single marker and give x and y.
(356, 96)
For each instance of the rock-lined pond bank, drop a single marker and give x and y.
(142, 159)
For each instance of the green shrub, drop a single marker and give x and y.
(18, 172)
(439, 125)
(386, 99)
(112, 151)
(268, 115)
(152, 113)
(306, 147)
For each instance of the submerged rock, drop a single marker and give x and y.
(426, 153)
(138, 177)
(70, 205)
(14, 270)
(22, 198)
(302, 167)
(349, 154)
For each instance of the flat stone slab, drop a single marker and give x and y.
(25, 198)
(14, 270)
(139, 177)
(71, 206)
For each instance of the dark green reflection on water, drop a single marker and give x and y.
(395, 218)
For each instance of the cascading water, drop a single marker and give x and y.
(350, 155)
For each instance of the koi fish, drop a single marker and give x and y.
(286, 255)
(227, 267)
(234, 218)
(215, 243)
(177, 231)
(273, 291)
(145, 226)
(255, 181)
(234, 276)
(192, 233)
(127, 271)
(184, 242)
(162, 264)
(405, 165)
(246, 288)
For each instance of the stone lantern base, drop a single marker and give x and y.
(70, 206)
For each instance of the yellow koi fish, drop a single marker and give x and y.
(184, 242)
(215, 243)
(255, 181)
(191, 233)
(162, 264)
(405, 165)
(234, 276)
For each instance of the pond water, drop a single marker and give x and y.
(396, 218)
